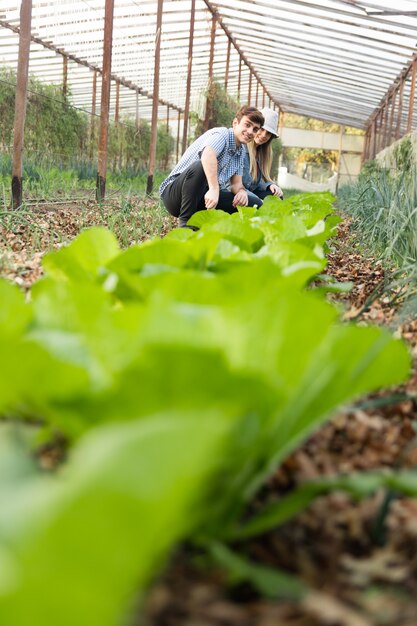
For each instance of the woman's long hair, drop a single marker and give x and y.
(264, 155)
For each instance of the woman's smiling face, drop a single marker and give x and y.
(262, 136)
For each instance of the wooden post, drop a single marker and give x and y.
(93, 113)
(386, 114)
(116, 108)
(250, 87)
(239, 78)
(20, 102)
(137, 116)
(339, 154)
(257, 93)
(188, 87)
(281, 123)
(372, 151)
(210, 75)
(226, 75)
(263, 98)
(178, 135)
(412, 95)
(378, 127)
(269, 105)
(400, 109)
(64, 76)
(391, 120)
(154, 123)
(105, 100)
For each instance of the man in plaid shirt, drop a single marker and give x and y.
(213, 161)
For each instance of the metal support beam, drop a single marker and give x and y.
(178, 135)
(20, 102)
(210, 74)
(188, 87)
(250, 87)
(412, 96)
(154, 123)
(105, 100)
(235, 44)
(226, 75)
(64, 76)
(117, 106)
(239, 79)
(93, 114)
(391, 121)
(400, 108)
(137, 115)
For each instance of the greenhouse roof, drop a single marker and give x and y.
(330, 59)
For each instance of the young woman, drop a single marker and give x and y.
(257, 172)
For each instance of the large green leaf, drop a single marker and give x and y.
(84, 257)
(88, 540)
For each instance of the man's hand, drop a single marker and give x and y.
(241, 198)
(275, 190)
(211, 198)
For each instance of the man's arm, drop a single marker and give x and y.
(209, 163)
(236, 186)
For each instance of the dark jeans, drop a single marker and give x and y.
(185, 195)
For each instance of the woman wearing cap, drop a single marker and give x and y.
(257, 172)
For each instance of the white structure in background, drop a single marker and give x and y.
(349, 147)
(291, 181)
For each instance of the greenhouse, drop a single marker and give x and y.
(208, 249)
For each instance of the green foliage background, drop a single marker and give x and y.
(58, 133)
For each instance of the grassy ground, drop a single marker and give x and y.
(28, 233)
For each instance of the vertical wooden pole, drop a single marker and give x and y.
(154, 123)
(339, 155)
(226, 75)
(400, 109)
(257, 93)
(391, 119)
(93, 114)
(178, 134)
(263, 97)
(105, 100)
(188, 87)
(250, 87)
(210, 74)
(137, 116)
(239, 78)
(365, 146)
(386, 115)
(20, 101)
(281, 123)
(412, 96)
(64, 76)
(374, 138)
(117, 106)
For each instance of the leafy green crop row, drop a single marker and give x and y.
(183, 370)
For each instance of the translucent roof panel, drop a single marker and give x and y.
(330, 59)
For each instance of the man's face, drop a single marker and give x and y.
(245, 130)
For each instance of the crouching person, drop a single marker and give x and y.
(212, 162)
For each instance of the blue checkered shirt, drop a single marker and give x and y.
(230, 158)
